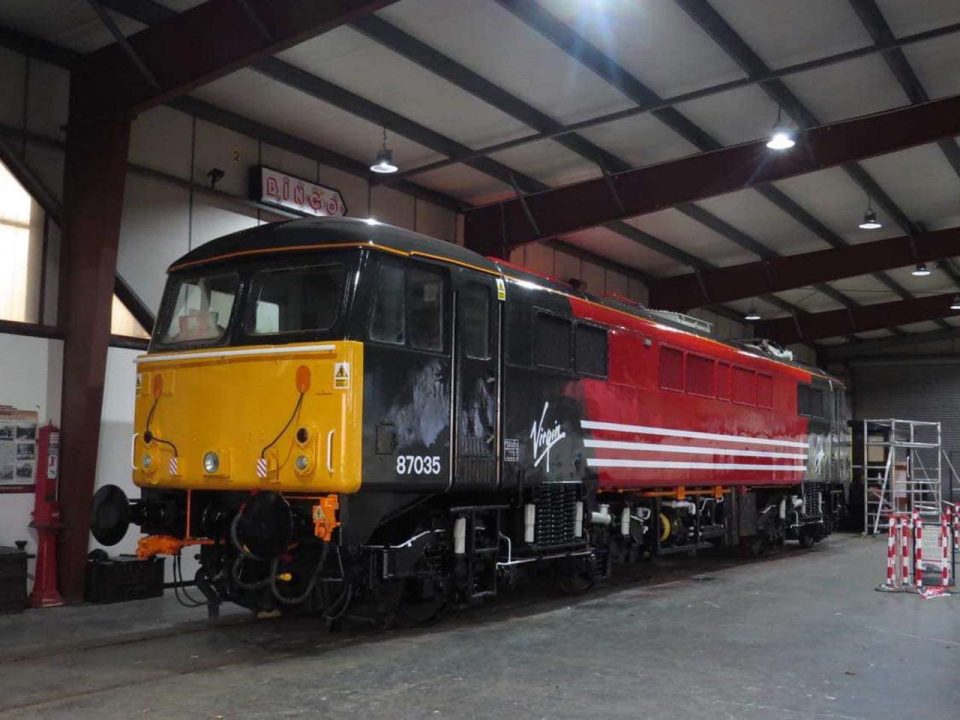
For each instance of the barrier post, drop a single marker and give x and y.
(891, 552)
(902, 528)
(945, 548)
(917, 551)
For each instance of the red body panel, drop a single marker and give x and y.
(640, 435)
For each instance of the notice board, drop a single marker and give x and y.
(18, 449)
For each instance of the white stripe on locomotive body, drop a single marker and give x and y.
(692, 434)
(679, 465)
(691, 450)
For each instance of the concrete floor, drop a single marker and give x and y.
(798, 635)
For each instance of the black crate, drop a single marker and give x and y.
(13, 580)
(123, 578)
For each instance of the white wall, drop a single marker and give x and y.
(30, 373)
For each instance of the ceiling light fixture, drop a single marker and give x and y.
(955, 305)
(752, 315)
(870, 220)
(781, 137)
(921, 270)
(384, 161)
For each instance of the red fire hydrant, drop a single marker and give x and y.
(46, 518)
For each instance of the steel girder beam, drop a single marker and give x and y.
(805, 269)
(199, 45)
(95, 169)
(648, 189)
(605, 67)
(147, 10)
(872, 18)
(772, 74)
(592, 58)
(814, 326)
(865, 348)
(712, 23)
(416, 51)
(427, 57)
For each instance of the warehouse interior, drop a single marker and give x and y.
(774, 169)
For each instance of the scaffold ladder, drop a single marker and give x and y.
(895, 477)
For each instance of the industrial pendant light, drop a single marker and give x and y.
(921, 270)
(781, 137)
(752, 315)
(384, 162)
(955, 305)
(870, 220)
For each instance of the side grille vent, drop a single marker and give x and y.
(556, 505)
(812, 500)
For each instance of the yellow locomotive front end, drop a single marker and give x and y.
(284, 418)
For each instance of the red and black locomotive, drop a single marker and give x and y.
(337, 413)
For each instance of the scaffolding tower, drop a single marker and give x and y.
(900, 467)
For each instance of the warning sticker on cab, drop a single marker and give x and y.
(341, 376)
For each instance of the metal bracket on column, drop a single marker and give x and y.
(521, 196)
(613, 188)
(702, 284)
(796, 323)
(767, 273)
(125, 44)
(255, 21)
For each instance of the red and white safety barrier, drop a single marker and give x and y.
(904, 528)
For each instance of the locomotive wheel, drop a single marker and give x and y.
(577, 583)
(753, 546)
(412, 608)
(807, 538)
(582, 576)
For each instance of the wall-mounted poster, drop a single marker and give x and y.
(18, 449)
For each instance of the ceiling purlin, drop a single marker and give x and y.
(712, 23)
(467, 80)
(592, 58)
(873, 20)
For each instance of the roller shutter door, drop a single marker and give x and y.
(913, 391)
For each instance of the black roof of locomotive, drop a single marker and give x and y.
(307, 232)
(323, 231)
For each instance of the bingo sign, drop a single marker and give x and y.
(276, 188)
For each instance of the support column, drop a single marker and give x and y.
(94, 175)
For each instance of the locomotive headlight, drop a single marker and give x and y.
(211, 463)
(147, 461)
(303, 463)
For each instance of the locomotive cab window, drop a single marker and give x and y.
(424, 309)
(552, 341)
(810, 401)
(474, 312)
(591, 351)
(408, 307)
(197, 310)
(387, 320)
(299, 299)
